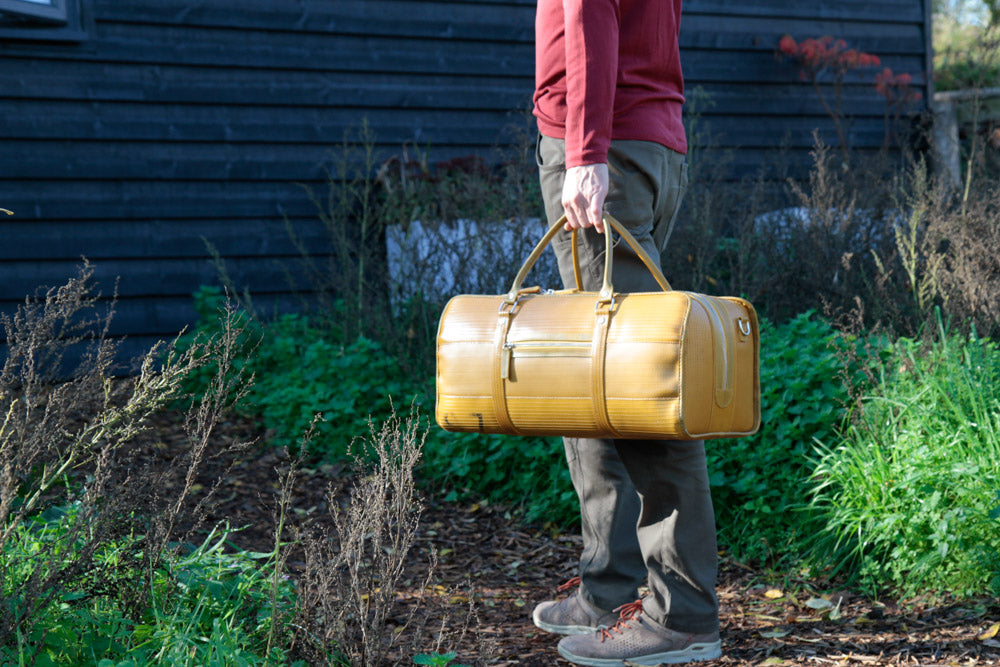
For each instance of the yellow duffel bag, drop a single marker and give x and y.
(669, 364)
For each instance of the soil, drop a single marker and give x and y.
(501, 568)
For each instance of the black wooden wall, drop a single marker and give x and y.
(757, 102)
(176, 122)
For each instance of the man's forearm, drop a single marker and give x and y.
(591, 28)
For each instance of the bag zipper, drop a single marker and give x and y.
(541, 348)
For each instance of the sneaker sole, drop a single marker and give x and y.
(692, 653)
(561, 629)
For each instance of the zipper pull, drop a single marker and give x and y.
(508, 352)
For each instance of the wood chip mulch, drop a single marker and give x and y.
(499, 568)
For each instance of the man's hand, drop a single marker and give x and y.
(583, 196)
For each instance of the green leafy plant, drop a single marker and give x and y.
(438, 659)
(525, 472)
(301, 371)
(214, 606)
(209, 605)
(908, 500)
(71, 488)
(758, 480)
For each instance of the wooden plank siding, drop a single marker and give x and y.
(758, 102)
(176, 124)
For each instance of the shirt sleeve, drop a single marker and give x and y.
(592, 30)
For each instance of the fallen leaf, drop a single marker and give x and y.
(773, 594)
(765, 617)
(991, 633)
(819, 603)
(773, 634)
(992, 643)
(773, 661)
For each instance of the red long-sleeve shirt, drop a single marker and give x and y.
(608, 68)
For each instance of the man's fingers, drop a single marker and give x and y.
(575, 214)
(597, 222)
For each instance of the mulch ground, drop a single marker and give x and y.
(493, 569)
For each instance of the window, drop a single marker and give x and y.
(48, 20)
(53, 11)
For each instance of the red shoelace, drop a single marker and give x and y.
(627, 612)
(572, 583)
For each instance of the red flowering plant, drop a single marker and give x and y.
(827, 56)
(898, 93)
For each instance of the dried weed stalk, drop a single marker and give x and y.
(950, 250)
(353, 573)
(372, 208)
(64, 440)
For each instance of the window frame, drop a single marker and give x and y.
(55, 21)
(52, 11)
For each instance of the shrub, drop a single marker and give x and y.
(354, 571)
(369, 198)
(908, 500)
(965, 55)
(301, 371)
(757, 481)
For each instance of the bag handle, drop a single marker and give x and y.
(607, 290)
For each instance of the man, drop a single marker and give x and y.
(608, 98)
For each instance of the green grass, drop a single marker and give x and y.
(908, 501)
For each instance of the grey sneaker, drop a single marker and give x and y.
(572, 615)
(640, 641)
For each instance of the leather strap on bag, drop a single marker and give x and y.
(598, 357)
(576, 264)
(603, 311)
(612, 223)
(499, 389)
(599, 341)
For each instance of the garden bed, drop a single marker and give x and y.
(499, 569)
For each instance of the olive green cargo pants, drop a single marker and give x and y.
(645, 506)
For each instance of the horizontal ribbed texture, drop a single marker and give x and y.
(659, 366)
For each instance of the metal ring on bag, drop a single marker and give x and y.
(512, 304)
(611, 306)
(744, 326)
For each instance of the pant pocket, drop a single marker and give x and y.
(674, 193)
